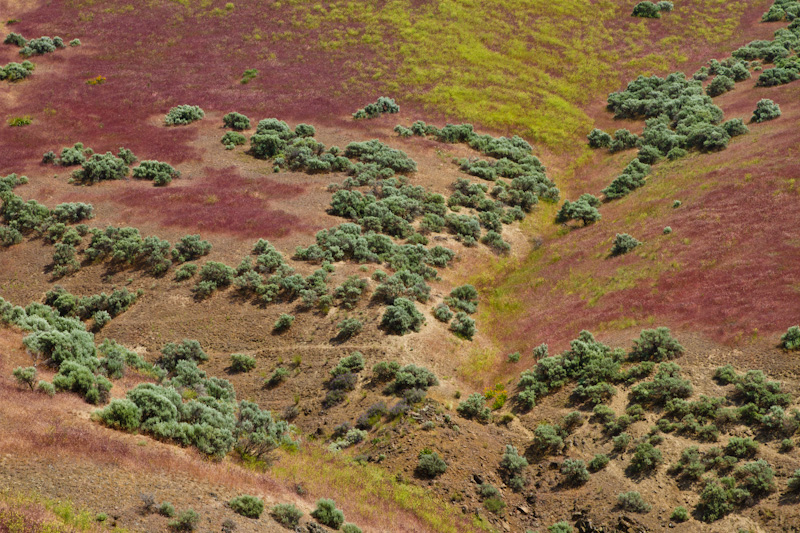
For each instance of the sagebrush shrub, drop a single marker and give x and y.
(183, 114)
(574, 472)
(186, 521)
(766, 110)
(791, 339)
(656, 345)
(327, 514)
(430, 464)
(623, 243)
(633, 501)
(242, 362)
(25, 375)
(236, 121)
(474, 407)
(286, 514)
(158, 172)
(121, 414)
(246, 505)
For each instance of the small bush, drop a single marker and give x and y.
(25, 376)
(383, 105)
(757, 477)
(463, 325)
(327, 514)
(766, 110)
(166, 509)
(277, 376)
(680, 514)
(402, 317)
(351, 528)
(236, 121)
(185, 272)
(190, 247)
(430, 464)
(18, 122)
(656, 345)
(598, 462)
(791, 339)
(633, 501)
(646, 10)
(574, 472)
(186, 521)
(247, 505)
(720, 85)
(233, 138)
(46, 388)
(645, 457)
(794, 482)
(156, 171)
(283, 323)
(122, 414)
(286, 514)
(242, 362)
(623, 243)
(442, 313)
(75, 42)
(474, 407)
(560, 527)
(101, 167)
(349, 327)
(621, 442)
(183, 114)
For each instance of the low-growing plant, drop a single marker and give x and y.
(623, 243)
(25, 376)
(242, 362)
(633, 501)
(166, 509)
(327, 514)
(286, 514)
(790, 340)
(430, 464)
(474, 407)
(186, 521)
(247, 505)
(574, 472)
(183, 114)
(679, 514)
(598, 462)
(236, 121)
(765, 110)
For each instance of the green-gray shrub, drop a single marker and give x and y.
(183, 114)
(327, 514)
(633, 501)
(286, 514)
(247, 505)
(242, 362)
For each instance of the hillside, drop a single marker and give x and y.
(392, 308)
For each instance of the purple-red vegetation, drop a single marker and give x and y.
(221, 201)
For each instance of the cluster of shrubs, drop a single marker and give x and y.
(125, 246)
(515, 160)
(378, 108)
(64, 344)
(680, 118)
(211, 420)
(747, 482)
(651, 10)
(99, 167)
(782, 10)
(595, 366)
(16, 71)
(39, 46)
(100, 307)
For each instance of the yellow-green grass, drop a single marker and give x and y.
(374, 494)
